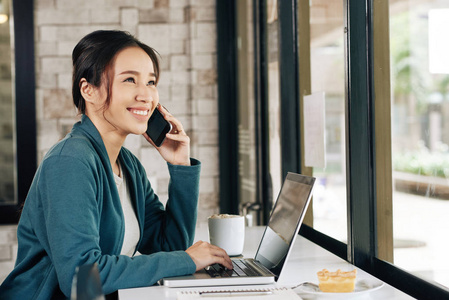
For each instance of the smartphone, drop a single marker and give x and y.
(158, 127)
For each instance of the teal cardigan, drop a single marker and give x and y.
(73, 216)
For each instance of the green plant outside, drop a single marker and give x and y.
(423, 163)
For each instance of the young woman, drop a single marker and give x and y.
(91, 201)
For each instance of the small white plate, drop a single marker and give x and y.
(361, 287)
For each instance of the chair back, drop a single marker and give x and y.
(86, 284)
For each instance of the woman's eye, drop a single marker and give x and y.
(151, 82)
(130, 79)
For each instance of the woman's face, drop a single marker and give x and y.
(134, 95)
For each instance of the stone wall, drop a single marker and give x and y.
(182, 31)
(8, 250)
(6, 115)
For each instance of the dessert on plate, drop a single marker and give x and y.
(337, 282)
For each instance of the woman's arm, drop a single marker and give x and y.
(80, 223)
(173, 228)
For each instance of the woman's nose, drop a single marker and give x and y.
(145, 94)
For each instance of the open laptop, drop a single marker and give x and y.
(274, 248)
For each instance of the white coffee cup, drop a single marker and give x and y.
(227, 232)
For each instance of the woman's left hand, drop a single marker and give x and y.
(176, 147)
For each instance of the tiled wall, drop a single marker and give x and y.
(8, 250)
(182, 31)
(6, 117)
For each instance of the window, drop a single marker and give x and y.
(246, 108)
(25, 118)
(273, 97)
(420, 137)
(328, 77)
(304, 39)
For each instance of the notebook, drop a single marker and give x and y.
(274, 248)
(244, 294)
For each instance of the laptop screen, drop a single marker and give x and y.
(285, 220)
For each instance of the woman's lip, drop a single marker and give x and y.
(140, 113)
(139, 110)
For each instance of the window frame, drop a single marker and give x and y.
(360, 129)
(264, 194)
(366, 226)
(25, 108)
(227, 105)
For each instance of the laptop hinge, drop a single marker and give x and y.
(258, 266)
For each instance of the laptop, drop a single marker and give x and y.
(274, 248)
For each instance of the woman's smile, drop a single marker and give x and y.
(140, 113)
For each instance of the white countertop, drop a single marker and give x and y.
(304, 262)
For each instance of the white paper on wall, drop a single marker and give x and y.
(314, 130)
(438, 42)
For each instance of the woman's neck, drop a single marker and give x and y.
(112, 139)
(113, 148)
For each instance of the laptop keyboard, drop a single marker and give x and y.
(241, 268)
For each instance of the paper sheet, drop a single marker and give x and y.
(314, 130)
(273, 294)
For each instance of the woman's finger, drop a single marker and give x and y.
(177, 125)
(221, 255)
(205, 254)
(178, 137)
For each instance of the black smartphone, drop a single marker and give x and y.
(158, 127)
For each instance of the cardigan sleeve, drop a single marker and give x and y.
(71, 208)
(173, 228)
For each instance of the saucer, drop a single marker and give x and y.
(362, 286)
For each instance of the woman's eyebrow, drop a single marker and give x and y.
(135, 73)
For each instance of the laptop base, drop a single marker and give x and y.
(201, 278)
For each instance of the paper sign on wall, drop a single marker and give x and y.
(314, 131)
(438, 43)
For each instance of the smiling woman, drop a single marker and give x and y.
(133, 86)
(89, 63)
(91, 201)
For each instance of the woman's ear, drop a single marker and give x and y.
(88, 91)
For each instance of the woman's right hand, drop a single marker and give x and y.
(204, 254)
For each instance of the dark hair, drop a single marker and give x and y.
(92, 58)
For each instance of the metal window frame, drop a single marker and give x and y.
(227, 105)
(25, 111)
(228, 108)
(289, 87)
(264, 183)
(360, 143)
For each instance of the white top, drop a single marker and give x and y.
(132, 231)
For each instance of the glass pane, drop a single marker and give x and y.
(420, 136)
(274, 127)
(246, 127)
(7, 160)
(328, 76)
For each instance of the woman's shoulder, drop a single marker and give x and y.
(77, 146)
